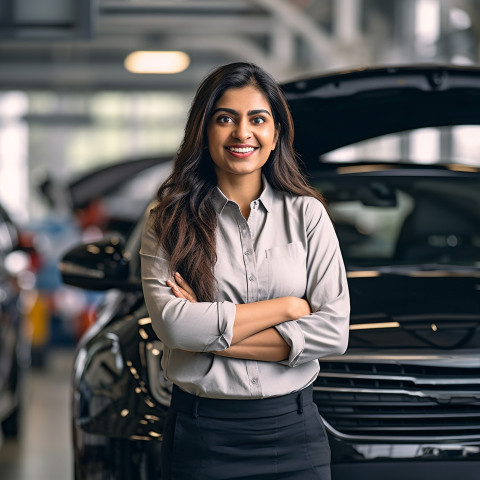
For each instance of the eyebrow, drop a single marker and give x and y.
(234, 112)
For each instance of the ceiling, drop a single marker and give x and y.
(81, 45)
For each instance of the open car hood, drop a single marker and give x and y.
(335, 110)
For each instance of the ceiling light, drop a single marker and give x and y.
(157, 62)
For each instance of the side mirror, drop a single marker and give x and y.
(100, 265)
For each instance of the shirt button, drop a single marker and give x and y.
(253, 380)
(248, 252)
(251, 278)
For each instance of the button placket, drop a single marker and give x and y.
(253, 218)
(246, 231)
(254, 377)
(248, 258)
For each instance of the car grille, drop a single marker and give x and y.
(387, 400)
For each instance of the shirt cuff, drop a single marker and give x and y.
(292, 333)
(226, 318)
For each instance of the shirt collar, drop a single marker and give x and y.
(219, 200)
(266, 197)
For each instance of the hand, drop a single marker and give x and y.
(181, 288)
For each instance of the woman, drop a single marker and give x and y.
(245, 285)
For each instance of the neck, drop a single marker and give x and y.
(241, 189)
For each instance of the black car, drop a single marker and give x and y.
(404, 401)
(14, 342)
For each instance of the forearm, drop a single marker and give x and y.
(325, 333)
(252, 318)
(267, 345)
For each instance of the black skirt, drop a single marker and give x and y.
(274, 438)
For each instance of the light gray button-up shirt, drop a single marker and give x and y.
(287, 247)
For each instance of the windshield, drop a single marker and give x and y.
(405, 220)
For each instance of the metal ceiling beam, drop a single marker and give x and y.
(321, 45)
(262, 31)
(144, 24)
(65, 76)
(169, 7)
(235, 47)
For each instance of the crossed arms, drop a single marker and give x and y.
(254, 335)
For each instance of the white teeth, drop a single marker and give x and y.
(241, 150)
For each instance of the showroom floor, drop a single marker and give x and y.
(43, 450)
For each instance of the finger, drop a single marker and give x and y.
(176, 289)
(181, 281)
(186, 295)
(186, 287)
(180, 292)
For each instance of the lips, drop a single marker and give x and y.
(241, 151)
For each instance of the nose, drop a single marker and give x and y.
(242, 130)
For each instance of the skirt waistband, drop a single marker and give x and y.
(226, 408)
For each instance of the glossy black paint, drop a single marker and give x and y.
(117, 421)
(351, 106)
(14, 344)
(436, 313)
(415, 303)
(100, 265)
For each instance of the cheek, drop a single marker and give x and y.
(215, 157)
(269, 139)
(215, 138)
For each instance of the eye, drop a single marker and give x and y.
(258, 120)
(224, 119)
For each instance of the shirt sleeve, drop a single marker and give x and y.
(180, 324)
(325, 331)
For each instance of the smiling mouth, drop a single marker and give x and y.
(241, 149)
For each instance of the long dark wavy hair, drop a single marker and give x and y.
(184, 216)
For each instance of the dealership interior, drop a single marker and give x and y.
(94, 96)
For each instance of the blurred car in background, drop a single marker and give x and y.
(17, 259)
(103, 200)
(109, 198)
(404, 401)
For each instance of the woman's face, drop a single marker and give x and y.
(241, 132)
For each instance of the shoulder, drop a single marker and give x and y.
(310, 207)
(313, 206)
(150, 243)
(310, 212)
